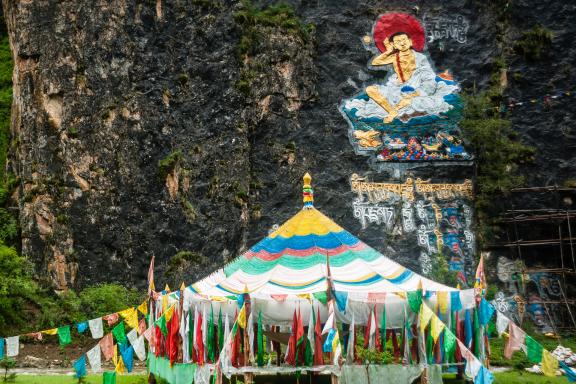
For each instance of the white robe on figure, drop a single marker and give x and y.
(431, 100)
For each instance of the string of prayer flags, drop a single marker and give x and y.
(81, 327)
(119, 333)
(109, 378)
(94, 358)
(107, 346)
(12, 346)
(96, 328)
(80, 367)
(64, 337)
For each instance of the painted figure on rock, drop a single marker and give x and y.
(413, 114)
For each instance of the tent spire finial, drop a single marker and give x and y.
(307, 192)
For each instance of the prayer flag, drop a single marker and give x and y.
(442, 301)
(80, 367)
(198, 341)
(140, 348)
(172, 342)
(449, 342)
(318, 357)
(130, 316)
(383, 328)
(415, 300)
(51, 332)
(260, 341)
(111, 319)
(64, 337)
(143, 308)
(120, 367)
(480, 278)
(485, 311)
(151, 286)
(516, 338)
(455, 303)
(128, 358)
(94, 358)
(549, 363)
(484, 376)
(350, 348)
(533, 350)
(299, 330)
(109, 378)
(132, 336)
(436, 327)
(341, 298)
(107, 346)
(210, 337)
(468, 329)
(220, 331)
(81, 327)
(241, 319)
(119, 333)
(96, 328)
(1, 348)
(250, 339)
(12, 346)
(425, 316)
(501, 323)
(291, 351)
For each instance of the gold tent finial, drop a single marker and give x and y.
(307, 192)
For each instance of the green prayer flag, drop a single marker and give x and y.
(161, 323)
(383, 327)
(220, 331)
(260, 341)
(449, 342)
(109, 378)
(308, 356)
(190, 334)
(534, 350)
(119, 333)
(451, 356)
(210, 337)
(429, 348)
(415, 300)
(64, 336)
(477, 334)
(321, 297)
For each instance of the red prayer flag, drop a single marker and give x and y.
(318, 353)
(107, 346)
(291, 357)
(173, 338)
(199, 342)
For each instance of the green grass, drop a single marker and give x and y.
(67, 379)
(523, 377)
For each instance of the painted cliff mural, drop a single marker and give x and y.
(412, 114)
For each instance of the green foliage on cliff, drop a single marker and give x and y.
(534, 43)
(5, 100)
(498, 151)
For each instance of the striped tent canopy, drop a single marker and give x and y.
(305, 255)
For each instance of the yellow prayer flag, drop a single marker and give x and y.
(167, 288)
(168, 314)
(549, 363)
(143, 308)
(304, 296)
(436, 327)
(115, 355)
(120, 367)
(425, 316)
(242, 317)
(164, 303)
(132, 318)
(443, 301)
(182, 286)
(52, 331)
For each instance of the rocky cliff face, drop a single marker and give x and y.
(182, 129)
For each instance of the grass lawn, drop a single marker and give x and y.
(67, 379)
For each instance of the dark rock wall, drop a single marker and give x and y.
(104, 91)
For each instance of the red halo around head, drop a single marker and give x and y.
(392, 23)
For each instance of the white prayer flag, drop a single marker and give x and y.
(140, 348)
(132, 336)
(12, 346)
(95, 358)
(96, 328)
(501, 323)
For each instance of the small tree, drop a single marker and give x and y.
(7, 364)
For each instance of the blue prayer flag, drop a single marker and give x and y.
(341, 299)
(327, 347)
(455, 303)
(80, 366)
(468, 329)
(81, 327)
(128, 358)
(570, 373)
(1, 348)
(485, 312)
(484, 376)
